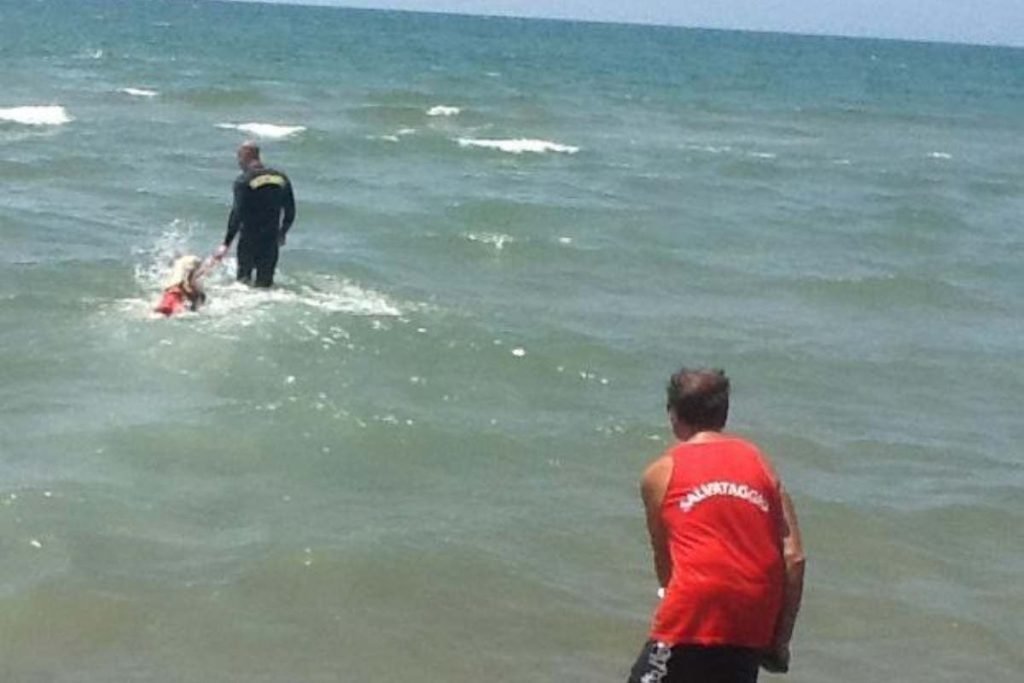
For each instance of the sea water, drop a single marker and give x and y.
(417, 457)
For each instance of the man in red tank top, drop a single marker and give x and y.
(726, 544)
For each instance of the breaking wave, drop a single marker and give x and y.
(519, 145)
(139, 92)
(268, 131)
(41, 115)
(443, 110)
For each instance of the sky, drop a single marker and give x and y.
(999, 22)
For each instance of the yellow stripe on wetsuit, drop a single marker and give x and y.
(267, 179)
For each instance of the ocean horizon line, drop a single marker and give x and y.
(565, 19)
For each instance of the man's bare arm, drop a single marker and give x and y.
(652, 489)
(793, 586)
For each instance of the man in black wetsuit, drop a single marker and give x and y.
(263, 212)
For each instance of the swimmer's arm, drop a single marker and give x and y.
(652, 489)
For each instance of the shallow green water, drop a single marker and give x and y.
(417, 458)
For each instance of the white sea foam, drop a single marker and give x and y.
(940, 155)
(496, 240)
(396, 137)
(41, 115)
(158, 258)
(232, 304)
(235, 303)
(139, 92)
(269, 131)
(443, 110)
(710, 149)
(345, 296)
(519, 145)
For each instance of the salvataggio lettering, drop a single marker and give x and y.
(723, 488)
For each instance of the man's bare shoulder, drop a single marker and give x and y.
(656, 475)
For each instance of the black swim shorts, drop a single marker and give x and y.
(660, 663)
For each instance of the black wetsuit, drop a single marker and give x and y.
(263, 212)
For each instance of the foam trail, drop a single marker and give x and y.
(41, 115)
(234, 304)
(270, 131)
(519, 145)
(237, 303)
(443, 110)
(139, 92)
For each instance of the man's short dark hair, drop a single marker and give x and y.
(700, 398)
(252, 147)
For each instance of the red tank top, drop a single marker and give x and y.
(173, 301)
(723, 516)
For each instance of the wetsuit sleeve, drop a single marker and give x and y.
(235, 218)
(289, 208)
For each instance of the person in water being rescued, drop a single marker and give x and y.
(183, 288)
(726, 545)
(262, 214)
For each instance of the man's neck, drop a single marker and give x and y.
(704, 436)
